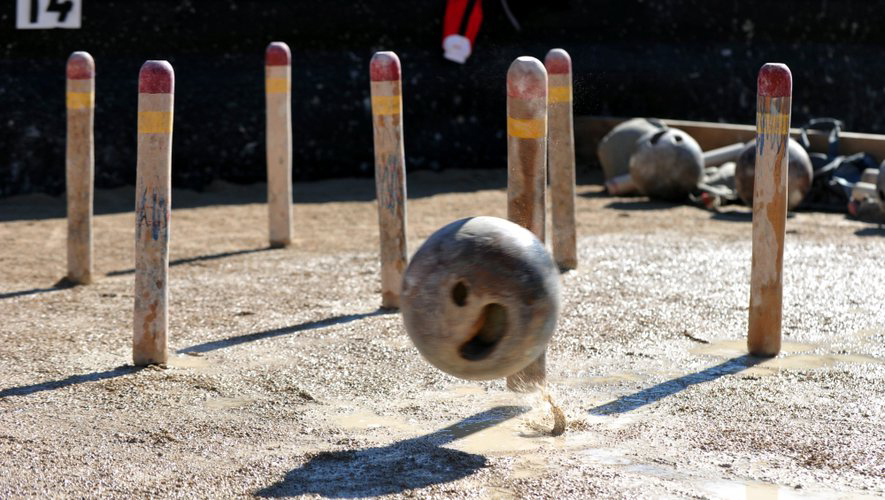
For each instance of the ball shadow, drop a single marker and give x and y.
(395, 468)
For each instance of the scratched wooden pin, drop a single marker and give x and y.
(527, 172)
(278, 98)
(153, 197)
(561, 157)
(390, 172)
(80, 164)
(775, 89)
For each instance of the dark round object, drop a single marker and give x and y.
(799, 174)
(480, 298)
(619, 143)
(668, 164)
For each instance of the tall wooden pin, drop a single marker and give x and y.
(79, 165)
(390, 171)
(561, 157)
(278, 93)
(775, 89)
(153, 197)
(527, 171)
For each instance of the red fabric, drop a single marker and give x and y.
(454, 17)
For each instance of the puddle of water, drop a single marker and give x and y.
(807, 361)
(751, 490)
(227, 403)
(734, 348)
(604, 456)
(194, 362)
(508, 436)
(363, 419)
(496, 493)
(794, 357)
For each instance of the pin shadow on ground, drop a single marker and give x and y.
(642, 204)
(395, 468)
(64, 284)
(26, 390)
(200, 258)
(276, 332)
(656, 393)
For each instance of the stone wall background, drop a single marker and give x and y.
(686, 59)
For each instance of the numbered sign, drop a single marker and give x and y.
(45, 14)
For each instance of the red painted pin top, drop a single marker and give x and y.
(526, 78)
(558, 62)
(775, 80)
(80, 66)
(156, 77)
(277, 54)
(384, 67)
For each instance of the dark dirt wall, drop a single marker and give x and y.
(689, 59)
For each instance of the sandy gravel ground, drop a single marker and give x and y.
(287, 380)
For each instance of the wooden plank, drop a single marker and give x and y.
(589, 130)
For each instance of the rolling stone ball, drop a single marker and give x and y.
(480, 298)
(667, 164)
(799, 174)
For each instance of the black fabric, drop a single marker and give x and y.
(834, 175)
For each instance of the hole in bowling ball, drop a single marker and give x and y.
(677, 138)
(459, 294)
(488, 330)
(655, 138)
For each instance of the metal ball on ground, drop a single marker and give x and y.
(618, 145)
(667, 164)
(800, 173)
(480, 298)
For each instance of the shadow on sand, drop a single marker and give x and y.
(642, 204)
(26, 390)
(670, 387)
(734, 216)
(276, 332)
(62, 284)
(395, 468)
(199, 258)
(871, 231)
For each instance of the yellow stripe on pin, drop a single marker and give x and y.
(277, 85)
(772, 123)
(155, 122)
(386, 104)
(559, 93)
(80, 100)
(526, 129)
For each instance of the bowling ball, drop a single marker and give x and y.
(480, 298)
(618, 145)
(799, 173)
(667, 164)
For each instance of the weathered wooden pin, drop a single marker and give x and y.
(527, 172)
(775, 88)
(561, 157)
(153, 198)
(278, 94)
(80, 165)
(390, 172)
